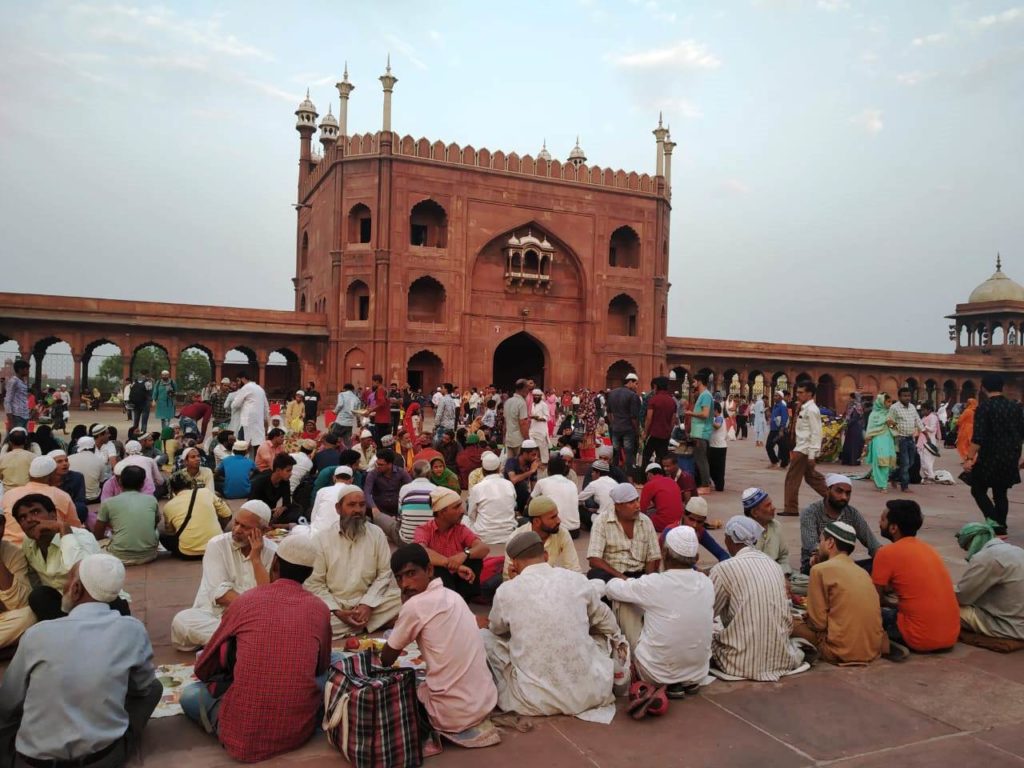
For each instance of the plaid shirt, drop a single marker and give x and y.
(609, 542)
(282, 637)
(221, 415)
(906, 418)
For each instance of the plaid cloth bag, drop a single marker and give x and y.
(372, 714)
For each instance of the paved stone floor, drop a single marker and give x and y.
(964, 708)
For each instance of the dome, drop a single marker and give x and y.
(528, 240)
(306, 113)
(577, 152)
(544, 154)
(513, 241)
(997, 288)
(329, 119)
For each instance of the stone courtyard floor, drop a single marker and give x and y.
(963, 708)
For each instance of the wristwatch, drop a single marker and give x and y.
(466, 551)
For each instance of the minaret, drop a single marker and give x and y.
(305, 124)
(328, 130)
(344, 88)
(668, 147)
(659, 136)
(388, 81)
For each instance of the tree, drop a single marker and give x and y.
(193, 371)
(192, 375)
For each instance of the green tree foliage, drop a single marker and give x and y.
(193, 368)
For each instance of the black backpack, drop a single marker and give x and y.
(138, 394)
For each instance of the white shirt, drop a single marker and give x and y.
(474, 400)
(225, 568)
(325, 508)
(808, 430)
(600, 489)
(561, 490)
(718, 436)
(492, 509)
(303, 465)
(253, 411)
(557, 668)
(91, 466)
(348, 572)
(679, 611)
(147, 464)
(539, 420)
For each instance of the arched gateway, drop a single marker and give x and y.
(518, 357)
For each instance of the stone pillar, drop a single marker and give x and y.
(260, 371)
(76, 384)
(659, 158)
(388, 81)
(344, 89)
(669, 146)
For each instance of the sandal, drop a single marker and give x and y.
(658, 705)
(639, 699)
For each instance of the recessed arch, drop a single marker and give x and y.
(196, 367)
(102, 366)
(150, 358)
(304, 252)
(624, 248)
(360, 224)
(826, 392)
(425, 301)
(357, 302)
(283, 374)
(428, 225)
(623, 316)
(355, 368)
(998, 335)
(968, 390)
(54, 363)
(424, 371)
(520, 356)
(617, 372)
(239, 360)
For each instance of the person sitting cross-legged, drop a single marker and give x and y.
(679, 610)
(927, 617)
(456, 553)
(545, 521)
(274, 644)
(15, 587)
(458, 692)
(549, 637)
(842, 620)
(757, 504)
(991, 590)
(234, 563)
(80, 689)
(233, 477)
(132, 517)
(752, 603)
(352, 572)
(193, 517)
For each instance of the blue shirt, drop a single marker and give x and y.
(236, 471)
(780, 417)
(707, 541)
(70, 678)
(701, 428)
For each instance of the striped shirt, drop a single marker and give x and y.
(414, 507)
(609, 542)
(751, 601)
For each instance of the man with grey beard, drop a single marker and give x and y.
(352, 571)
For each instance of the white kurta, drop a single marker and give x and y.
(561, 490)
(540, 648)
(679, 611)
(600, 490)
(235, 412)
(225, 569)
(492, 509)
(253, 412)
(324, 515)
(348, 572)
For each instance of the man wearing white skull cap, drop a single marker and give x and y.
(41, 474)
(44, 688)
(234, 563)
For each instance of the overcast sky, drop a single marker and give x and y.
(845, 171)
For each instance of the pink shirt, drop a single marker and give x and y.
(459, 691)
(447, 543)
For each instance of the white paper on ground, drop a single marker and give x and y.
(603, 715)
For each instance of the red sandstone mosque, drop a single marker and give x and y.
(430, 262)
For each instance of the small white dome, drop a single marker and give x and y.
(997, 288)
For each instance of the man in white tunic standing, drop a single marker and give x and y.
(549, 637)
(352, 572)
(250, 401)
(233, 563)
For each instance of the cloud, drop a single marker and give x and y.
(870, 120)
(910, 79)
(658, 14)
(833, 5)
(933, 39)
(1008, 16)
(684, 55)
(406, 49)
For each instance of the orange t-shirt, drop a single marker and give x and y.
(929, 616)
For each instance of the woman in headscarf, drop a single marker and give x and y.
(880, 451)
(412, 420)
(853, 439)
(965, 427)
(442, 476)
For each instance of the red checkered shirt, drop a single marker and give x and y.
(283, 641)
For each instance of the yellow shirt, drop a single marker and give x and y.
(204, 524)
(561, 551)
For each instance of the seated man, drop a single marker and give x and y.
(80, 690)
(678, 607)
(752, 603)
(991, 591)
(324, 514)
(234, 563)
(15, 615)
(273, 487)
(562, 490)
(42, 474)
(193, 471)
(842, 620)
(835, 506)
(928, 615)
(192, 516)
(623, 544)
(232, 478)
(279, 637)
(414, 501)
(352, 572)
(381, 488)
(660, 499)
(15, 461)
(329, 454)
(545, 522)
(366, 449)
(133, 456)
(550, 637)
(522, 471)
(91, 466)
(132, 517)
(269, 449)
(458, 692)
(51, 547)
(757, 504)
(596, 495)
(71, 482)
(695, 515)
(456, 553)
(491, 506)
(687, 485)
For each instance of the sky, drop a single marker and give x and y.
(845, 171)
